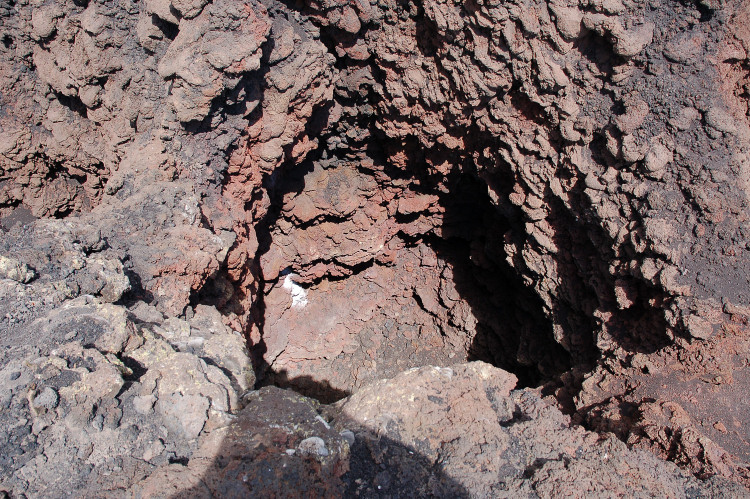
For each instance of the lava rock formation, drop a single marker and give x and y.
(381, 248)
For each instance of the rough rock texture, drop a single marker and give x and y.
(464, 431)
(278, 446)
(103, 396)
(323, 194)
(580, 154)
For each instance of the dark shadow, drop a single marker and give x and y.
(597, 50)
(307, 386)
(73, 103)
(20, 215)
(8, 41)
(641, 328)
(381, 467)
(168, 29)
(261, 456)
(599, 417)
(513, 331)
(137, 291)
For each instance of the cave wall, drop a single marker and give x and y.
(606, 134)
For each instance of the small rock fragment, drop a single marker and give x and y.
(636, 112)
(569, 21)
(685, 118)
(719, 119)
(348, 435)
(154, 450)
(629, 43)
(47, 399)
(349, 21)
(144, 405)
(698, 327)
(313, 446)
(12, 269)
(658, 157)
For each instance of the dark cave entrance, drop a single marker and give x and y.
(511, 326)
(513, 331)
(510, 330)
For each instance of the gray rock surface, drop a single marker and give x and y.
(463, 431)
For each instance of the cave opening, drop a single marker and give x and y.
(377, 254)
(436, 288)
(513, 329)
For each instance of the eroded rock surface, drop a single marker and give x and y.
(324, 194)
(464, 431)
(104, 396)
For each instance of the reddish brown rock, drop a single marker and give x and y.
(476, 437)
(358, 188)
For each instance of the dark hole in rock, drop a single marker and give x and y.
(442, 296)
(136, 367)
(168, 29)
(73, 103)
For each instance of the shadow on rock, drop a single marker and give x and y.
(282, 445)
(306, 385)
(459, 431)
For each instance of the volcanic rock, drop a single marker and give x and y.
(506, 242)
